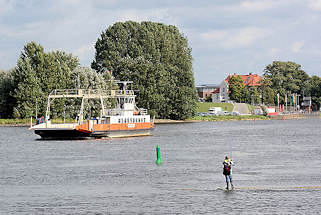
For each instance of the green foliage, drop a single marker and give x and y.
(237, 91)
(157, 59)
(229, 117)
(255, 96)
(314, 89)
(24, 89)
(245, 95)
(26, 122)
(38, 73)
(15, 122)
(284, 77)
(268, 96)
(6, 100)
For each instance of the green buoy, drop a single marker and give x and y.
(158, 154)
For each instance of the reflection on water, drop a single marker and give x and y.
(277, 171)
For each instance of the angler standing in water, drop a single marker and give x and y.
(227, 171)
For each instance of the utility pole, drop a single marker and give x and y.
(286, 101)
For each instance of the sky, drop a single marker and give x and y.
(226, 36)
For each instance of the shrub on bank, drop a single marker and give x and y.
(27, 121)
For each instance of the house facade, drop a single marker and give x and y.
(221, 93)
(206, 90)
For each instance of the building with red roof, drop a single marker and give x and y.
(221, 93)
(249, 80)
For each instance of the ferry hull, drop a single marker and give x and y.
(73, 134)
(61, 134)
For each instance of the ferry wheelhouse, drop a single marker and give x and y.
(122, 121)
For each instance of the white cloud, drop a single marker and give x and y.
(85, 3)
(297, 46)
(315, 4)
(143, 15)
(273, 52)
(259, 5)
(235, 38)
(5, 6)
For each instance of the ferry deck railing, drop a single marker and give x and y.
(89, 93)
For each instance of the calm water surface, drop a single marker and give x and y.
(277, 171)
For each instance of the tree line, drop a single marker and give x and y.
(24, 89)
(156, 57)
(279, 78)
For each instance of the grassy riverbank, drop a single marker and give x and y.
(228, 118)
(26, 122)
(204, 106)
(14, 122)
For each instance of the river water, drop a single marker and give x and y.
(277, 171)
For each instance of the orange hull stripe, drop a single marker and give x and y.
(123, 126)
(83, 127)
(115, 127)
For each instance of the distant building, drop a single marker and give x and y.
(221, 93)
(206, 90)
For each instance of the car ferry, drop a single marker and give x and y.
(124, 120)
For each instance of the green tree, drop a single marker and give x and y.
(255, 96)
(6, 100)
(38, 73)
(236, 89)
(286, 77)
(315, 91)
(266, 91)
(157, 58)
(246, 96)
